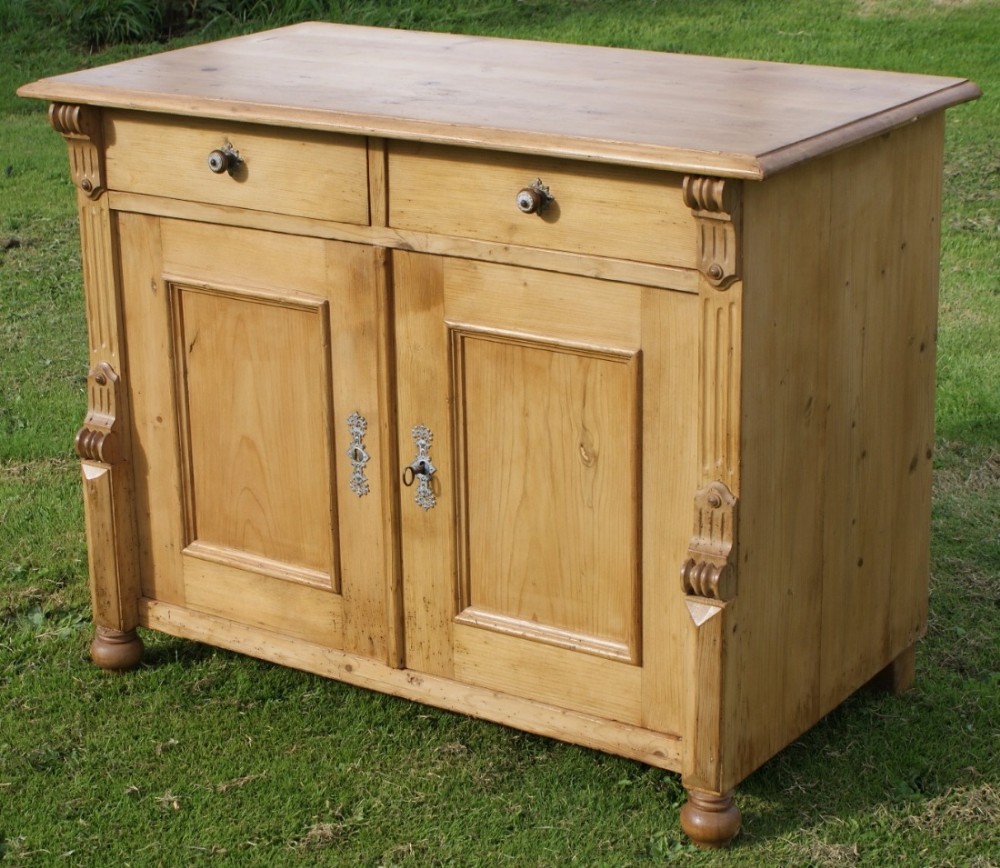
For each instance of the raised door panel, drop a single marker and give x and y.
(548, 453)
(526, 572)
(249, 354)
(258, 485)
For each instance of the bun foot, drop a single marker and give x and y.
(710, 821)
(117, 650)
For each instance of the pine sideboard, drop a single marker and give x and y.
(584, 390)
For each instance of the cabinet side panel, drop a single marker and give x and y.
(881, 324)
(838, 332)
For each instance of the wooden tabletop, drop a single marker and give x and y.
(738, 118)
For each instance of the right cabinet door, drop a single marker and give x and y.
(541, 555)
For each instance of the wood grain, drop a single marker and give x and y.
(242, 392)
(670, 338)
(150, 387)
(555, 676)
(550, 461)
(289, 608)
(248, 363)
(535, 381)
(427, 537)
(301, 173)
(616, 212)
(692, 114)
(836, 439)
(602, 268)
(105, 440)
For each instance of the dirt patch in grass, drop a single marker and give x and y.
(320, 836)
(970, 806)
(819, 852)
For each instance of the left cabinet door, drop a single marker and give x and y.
(255, 363)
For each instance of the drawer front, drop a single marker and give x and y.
(598, 210)
(298, 172)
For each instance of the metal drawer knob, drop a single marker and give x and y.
(225, 159)
(534, 199)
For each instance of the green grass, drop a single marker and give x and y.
(203, 756)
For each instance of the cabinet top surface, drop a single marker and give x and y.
(739, 118)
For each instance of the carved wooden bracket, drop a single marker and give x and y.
(710, 570)
(80, 125)
(98, 439)
(715, 203)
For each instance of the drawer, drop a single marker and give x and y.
(298, 172)
(596, 209)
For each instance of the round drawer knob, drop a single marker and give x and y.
(218, 162)
(534, 199)
(225, 159)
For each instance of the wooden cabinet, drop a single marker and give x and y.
(458, 369)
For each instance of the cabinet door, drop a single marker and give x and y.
(544, 562)
(252, 358)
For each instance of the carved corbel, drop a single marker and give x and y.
(98, 439)
(710, 570)
(107, 505)
(708, 579)
(80, 125)
(715, 203)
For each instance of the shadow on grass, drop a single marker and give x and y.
(163, 650)
(878, 764)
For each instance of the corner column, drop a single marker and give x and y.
(103, 441)
(709, 575)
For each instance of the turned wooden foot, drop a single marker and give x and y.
(116, 649)
(710, 821)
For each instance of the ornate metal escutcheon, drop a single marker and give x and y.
(421, 469)
(358, 426)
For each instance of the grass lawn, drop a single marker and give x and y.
(204, 756)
